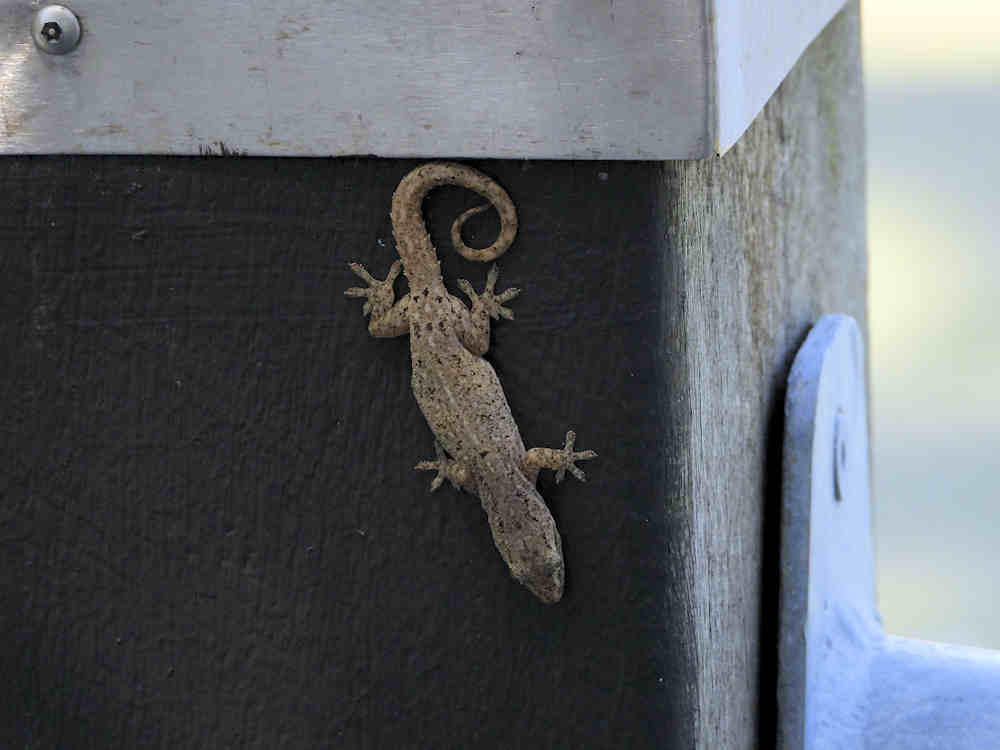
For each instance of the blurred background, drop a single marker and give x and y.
(933, 119)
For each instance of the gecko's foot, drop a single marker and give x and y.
(379, 293)
(489, 300)
(446, 468)
(560, 461)
(569, 457)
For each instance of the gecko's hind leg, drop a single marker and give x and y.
(474, 326)
(387, 319)
(447, 468)
(489, 301)
(559, 460)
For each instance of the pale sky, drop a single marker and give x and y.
(931, 38)
(933, 108)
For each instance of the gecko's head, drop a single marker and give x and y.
(542, 571)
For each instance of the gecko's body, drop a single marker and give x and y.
(479, 447)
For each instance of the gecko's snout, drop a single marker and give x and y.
(545, 577)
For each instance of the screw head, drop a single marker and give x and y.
(56, 29)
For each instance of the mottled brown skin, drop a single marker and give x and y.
(479, 448)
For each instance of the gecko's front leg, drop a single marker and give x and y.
(559, 460)
(387, 319)
(447, 468)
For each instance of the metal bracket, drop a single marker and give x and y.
(843, 682)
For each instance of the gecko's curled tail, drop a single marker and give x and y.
(408, 227)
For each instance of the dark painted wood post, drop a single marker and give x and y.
(211, 533)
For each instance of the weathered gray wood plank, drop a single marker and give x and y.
(765, 240)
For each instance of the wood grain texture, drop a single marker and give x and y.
(211, 534)
(769, 238)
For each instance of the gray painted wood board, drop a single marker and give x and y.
(618, 79)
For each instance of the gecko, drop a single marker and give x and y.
(479, 448)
